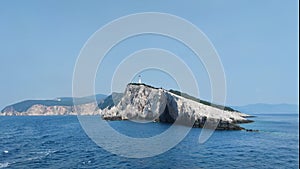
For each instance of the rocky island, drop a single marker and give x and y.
(144, 102)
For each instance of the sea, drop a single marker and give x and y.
(60, 142)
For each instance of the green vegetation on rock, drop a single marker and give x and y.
(201, 101)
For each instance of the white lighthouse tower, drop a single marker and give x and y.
(140, 79)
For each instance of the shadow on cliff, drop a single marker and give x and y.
(170, 113)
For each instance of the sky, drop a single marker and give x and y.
(257, 42)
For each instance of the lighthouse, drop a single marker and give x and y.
(140, 79)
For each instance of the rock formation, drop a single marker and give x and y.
(141, 102)
(42, 110)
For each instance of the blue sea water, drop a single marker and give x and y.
(60, 142)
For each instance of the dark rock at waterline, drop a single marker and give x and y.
(251, 130)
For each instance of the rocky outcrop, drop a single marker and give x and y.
(58, 106)
(140, 102)
(143, 102)
(42, 110)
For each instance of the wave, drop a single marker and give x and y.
(35, 156)
(40, 155)
(4, 165)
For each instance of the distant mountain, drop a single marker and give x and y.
(268, 108)
(23, 106)
(111, 100)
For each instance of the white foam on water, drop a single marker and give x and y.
(37, 155)
(3, 165)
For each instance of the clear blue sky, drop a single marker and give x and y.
(257, 42)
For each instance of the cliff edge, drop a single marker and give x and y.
(144, 102)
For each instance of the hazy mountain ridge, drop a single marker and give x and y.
(64, 102)
(268, 108)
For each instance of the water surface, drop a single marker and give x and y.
(60, 142)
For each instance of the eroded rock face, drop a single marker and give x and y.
(42, 110)
(170, 113)
(141, 102)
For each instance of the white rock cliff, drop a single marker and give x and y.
(143, 102)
